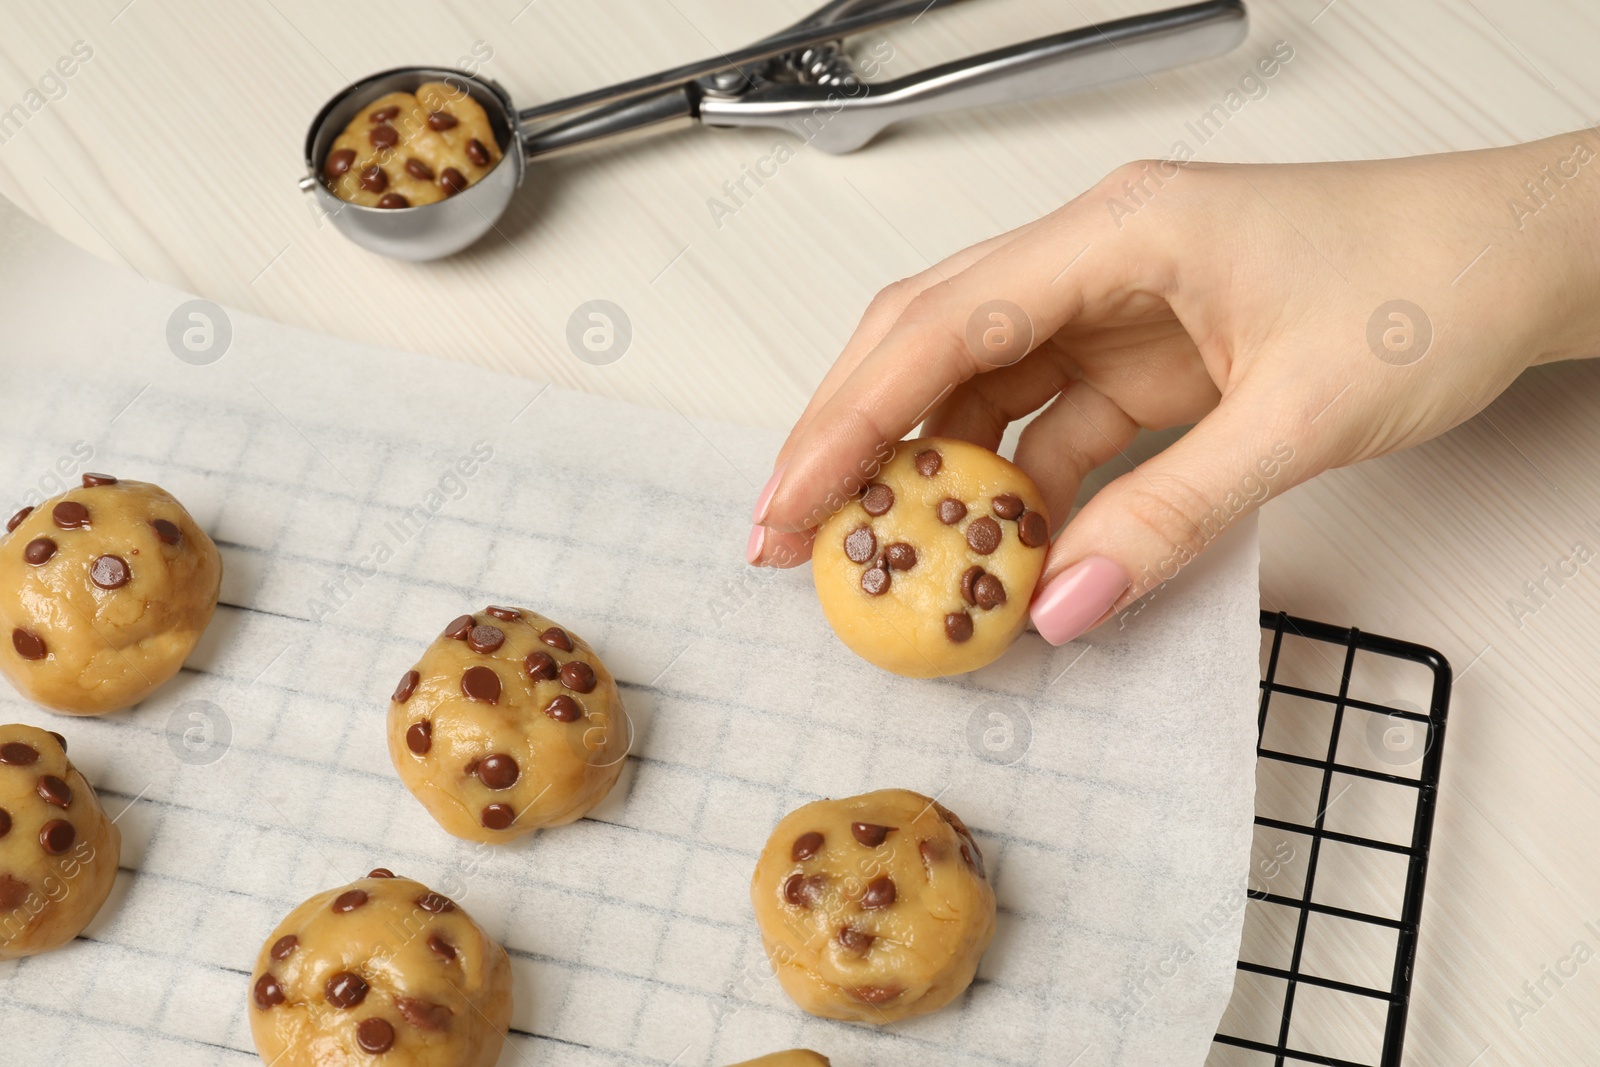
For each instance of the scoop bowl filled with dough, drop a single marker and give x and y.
(58, 851)
(382, 970)
(508, 724)
(873, 908)
(929, 570)
(104, 591)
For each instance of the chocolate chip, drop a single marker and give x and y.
(383, 136)
(541, 666)
(380, 872)
(442, 120)
(477, 153)
(876, 994)
(407, 686)
(983, 535)
(349, 901)
(498, 771)
(423, 1014)
(437, 903)
(345, 990)
(460, 627)
(497, 816)
(452, 181)
(578, 676)
(441, 948)
(390, 201)
(5, 822)
(62, 741)
(480, 683)
(373, 179)
(958, 626)
(167, 531)
(13, 892)
(284, 947)
(375, 1035)
(109, 572)
(28, 644)
(900, 556)
(39, 550)
(57, 836)
(91, 479)
(384, 114)
(1032, 530)
(989, 592)
(338, 162)
(805, 846)
(805, 890)
(53, 790)
(951, 511)
(1008, 505)
(932, 852)
(268, 993)
(419, 738)
(556, 637)
(485, 638)
(564, 709)
(928, 462)
(870, 833)
(969, 580)
(875, 581)
(505, 614)
(880, 893)
(18, 754)
(878, 499)
(860, 545)
(70, 515)
(855, 940)
(16, 520)
(419, 170)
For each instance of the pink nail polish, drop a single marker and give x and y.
(765, 499)
(752, 547)
(1077, 597)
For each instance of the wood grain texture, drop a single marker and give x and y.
(176, 147)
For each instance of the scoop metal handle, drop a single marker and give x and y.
(1093, 56)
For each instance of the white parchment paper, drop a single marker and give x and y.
(1109, 782)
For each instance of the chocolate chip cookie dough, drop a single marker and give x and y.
(508, 724)
(795, 1057)
(58, 851)
(382, 970)
(104, 591)
(873, 908)
(404, 149)
(929, 571)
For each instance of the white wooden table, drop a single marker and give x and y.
(175, 143)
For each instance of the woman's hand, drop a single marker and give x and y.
(1303, 317)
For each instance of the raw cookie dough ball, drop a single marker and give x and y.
(58, 851)
(104, 592)
(404, 149)
(930, 570)
(381, 971)
(795, 1057)
(873, 908)
(508, 724)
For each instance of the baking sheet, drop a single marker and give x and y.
(1109, 782)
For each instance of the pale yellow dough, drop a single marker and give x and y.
(913, 627)
(52, 881)
(104, 648)
(427, 979)
(838, 947)
(795, 1057)
(562, 768)
(434, 149)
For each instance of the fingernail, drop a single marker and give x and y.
(1077, 597)
(765, 499)
(752, 547)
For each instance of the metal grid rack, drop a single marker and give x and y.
(1301, 907)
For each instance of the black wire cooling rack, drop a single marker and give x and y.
(1330, 757)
